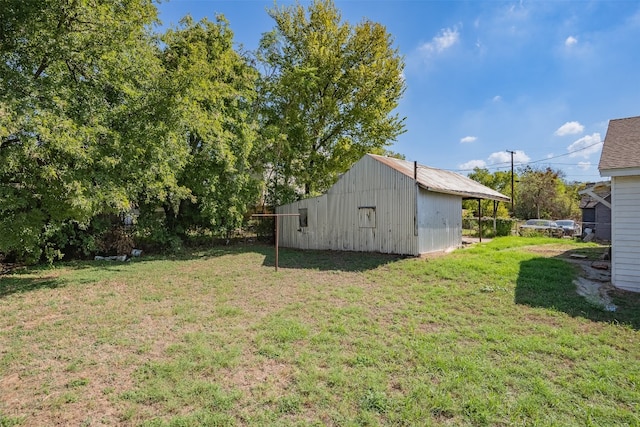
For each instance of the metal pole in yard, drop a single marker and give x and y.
(480, 219)
(277, 242)
(513, 205)
(277, 226)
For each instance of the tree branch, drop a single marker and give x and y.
(41, 68)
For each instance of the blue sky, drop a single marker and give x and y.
(541, 78)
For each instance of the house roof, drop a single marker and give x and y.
(442, 181)
(621, 148)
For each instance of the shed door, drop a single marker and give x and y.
(367, 217)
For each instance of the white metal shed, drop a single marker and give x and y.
(384, 205)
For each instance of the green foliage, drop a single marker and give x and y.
(212, 91)
(152, 234)
(374, 401)
(499, 181)
(532, 232)
(6, 421)
(504, 226)
(539, 193)
(328, 90)
(542, 193)
(79, 127)
(98, 116)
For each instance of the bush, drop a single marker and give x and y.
(152, 234)
(503, 226)
(115, 241)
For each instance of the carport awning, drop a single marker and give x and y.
(470, 194)
(442, 181)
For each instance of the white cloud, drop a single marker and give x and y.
(585, 146)
(468, 139)
(569, 128)
(497, 158)
(497, 98)
(584, 165)
(472, 164)
(570, 41)
(505, 157)
(443, 41)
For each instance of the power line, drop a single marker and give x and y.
(567, 154)
(498, 166)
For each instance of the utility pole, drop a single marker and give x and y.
(513, 205)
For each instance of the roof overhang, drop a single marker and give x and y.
(467, 194)
(620, 172)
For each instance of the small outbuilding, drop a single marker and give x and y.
(595, 204)
(385, 205)
(620, 160)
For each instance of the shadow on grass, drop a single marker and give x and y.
(327, 260)
(22, 279)
(290, 258)
(548, 283)
(17, 284)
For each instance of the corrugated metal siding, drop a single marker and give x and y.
(439, 221)
(310, 237)
(334, 217)
(625, 233)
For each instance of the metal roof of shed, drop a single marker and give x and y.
(442, 181)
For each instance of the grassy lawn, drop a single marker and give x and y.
(490, 335)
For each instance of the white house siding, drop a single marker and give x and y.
(334, 219)
(439, 221)
(625, 232)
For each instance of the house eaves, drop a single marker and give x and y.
(621, 150)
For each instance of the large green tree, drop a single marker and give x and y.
(212, 92)
(82, 125)
(499, 181)
(543, 193)
(328, 92)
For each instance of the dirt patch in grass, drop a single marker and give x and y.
(265, 372)
(547, 250)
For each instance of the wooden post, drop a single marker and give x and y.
(277, 242)
(495, 217)
(277, 227)
(480, 219)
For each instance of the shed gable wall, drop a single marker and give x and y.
(370, 209)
